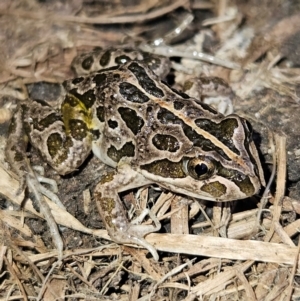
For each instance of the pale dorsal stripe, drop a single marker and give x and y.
(232, 155)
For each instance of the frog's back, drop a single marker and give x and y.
(132, 114)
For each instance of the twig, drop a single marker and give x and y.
(97, 20)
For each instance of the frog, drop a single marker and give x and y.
(120, 109)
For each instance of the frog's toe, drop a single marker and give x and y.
(49, 193)
(40, 172)
(139, 240)
(134, 234)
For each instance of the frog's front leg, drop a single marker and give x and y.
(113, 213)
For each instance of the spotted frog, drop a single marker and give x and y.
(143, 128)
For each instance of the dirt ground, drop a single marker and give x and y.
(254, 255)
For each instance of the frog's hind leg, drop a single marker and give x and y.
(15, 152)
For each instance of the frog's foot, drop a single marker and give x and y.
(33, 179)
(133, 232)
(113, 214)
(38, 191)
(40, 173)
(50, 194)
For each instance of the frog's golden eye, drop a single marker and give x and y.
(199, 168)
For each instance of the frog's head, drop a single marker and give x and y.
(216, 160)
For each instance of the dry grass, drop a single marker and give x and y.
(253, 257)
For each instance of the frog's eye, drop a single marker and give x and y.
(199, 168)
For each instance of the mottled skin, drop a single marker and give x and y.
(147, 131)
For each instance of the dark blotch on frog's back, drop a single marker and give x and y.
(178, 105)
(122, 59)
(134, 122)
(87, 63)
(105, 58)
(132, 93)
(144, 80)
(112, 124)
(127, 150)
(99, 78)
(77, 80)
(88, 98)
(100, 113)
